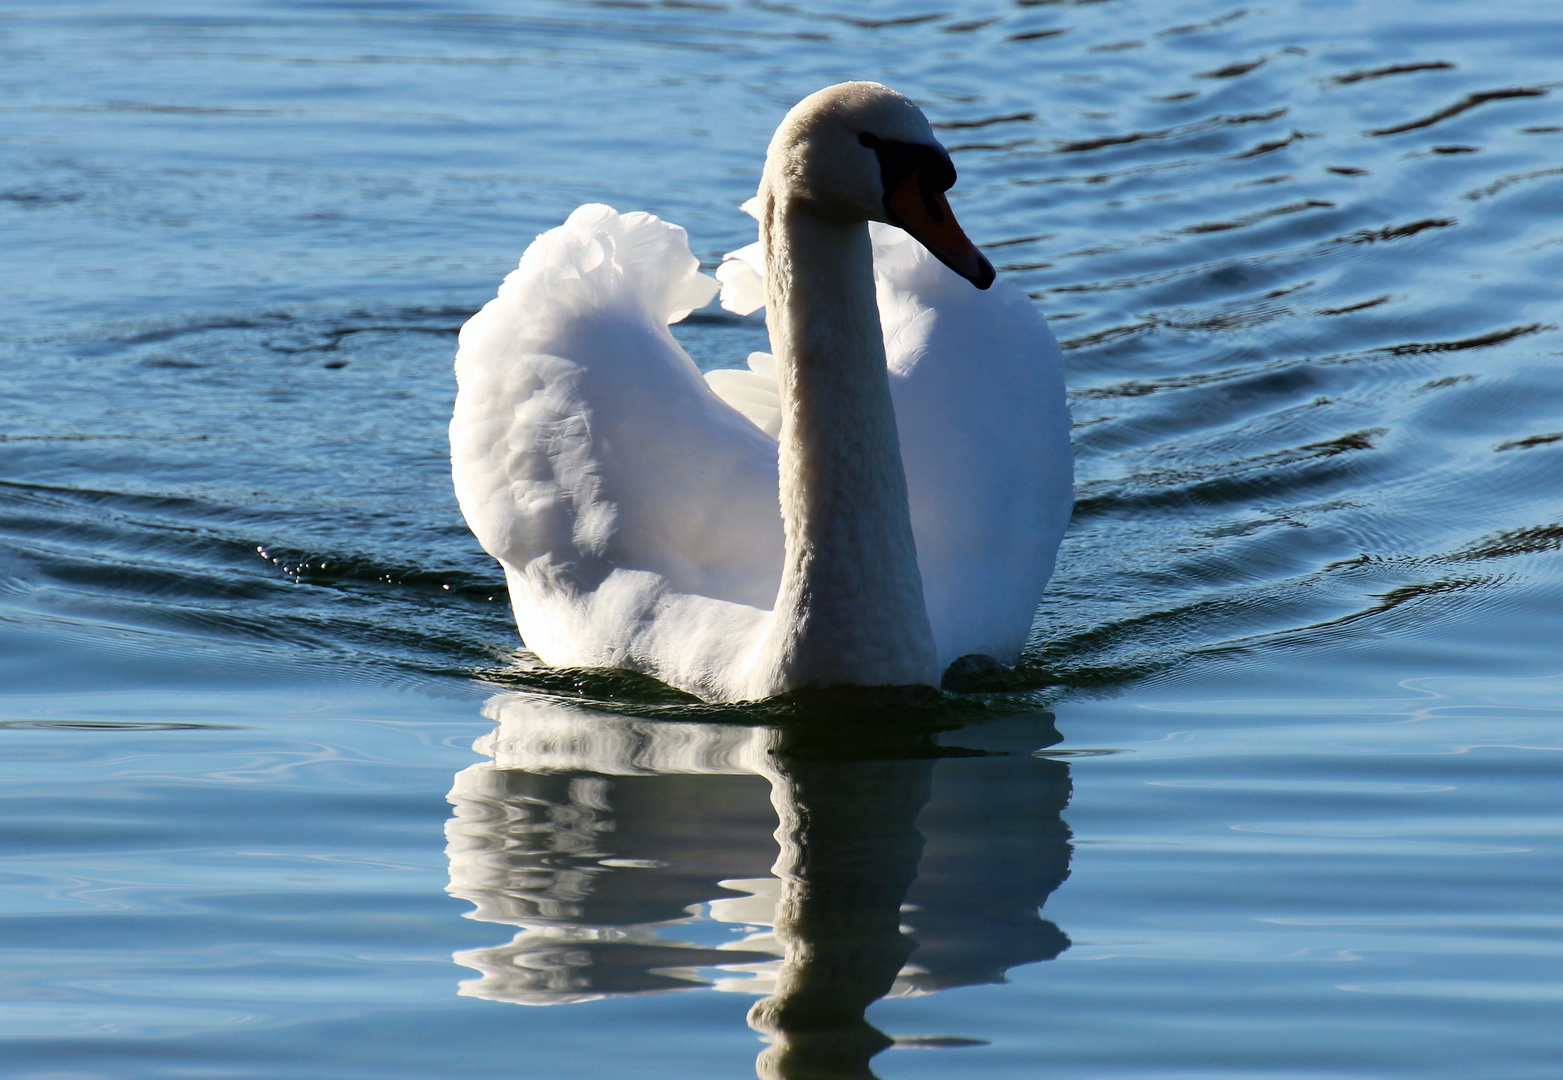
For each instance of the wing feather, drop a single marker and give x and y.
(591, 458)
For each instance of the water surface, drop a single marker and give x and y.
(1272, 795)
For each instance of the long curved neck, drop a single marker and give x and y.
(850, 607)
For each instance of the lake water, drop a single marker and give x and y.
(1275, 793)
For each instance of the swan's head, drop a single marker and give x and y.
(859, 151)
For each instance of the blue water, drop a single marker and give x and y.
(1274, 793)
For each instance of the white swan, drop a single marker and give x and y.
(883, 498)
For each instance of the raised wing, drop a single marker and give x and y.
(978, 383)
(594, 462)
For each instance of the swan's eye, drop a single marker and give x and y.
(898, 160)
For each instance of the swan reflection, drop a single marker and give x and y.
(635, 856)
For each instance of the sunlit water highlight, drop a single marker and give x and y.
(1274, 793)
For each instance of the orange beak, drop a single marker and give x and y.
(922, 210)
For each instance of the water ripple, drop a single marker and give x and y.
(1305, 268)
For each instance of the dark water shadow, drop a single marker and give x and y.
(637, 855)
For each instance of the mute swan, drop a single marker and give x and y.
(903, 513)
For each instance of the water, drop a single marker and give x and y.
(1280, 768)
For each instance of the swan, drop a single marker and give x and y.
(881, 495)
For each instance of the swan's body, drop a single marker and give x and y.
(884, 497)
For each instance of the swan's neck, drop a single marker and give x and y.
(850, 608)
